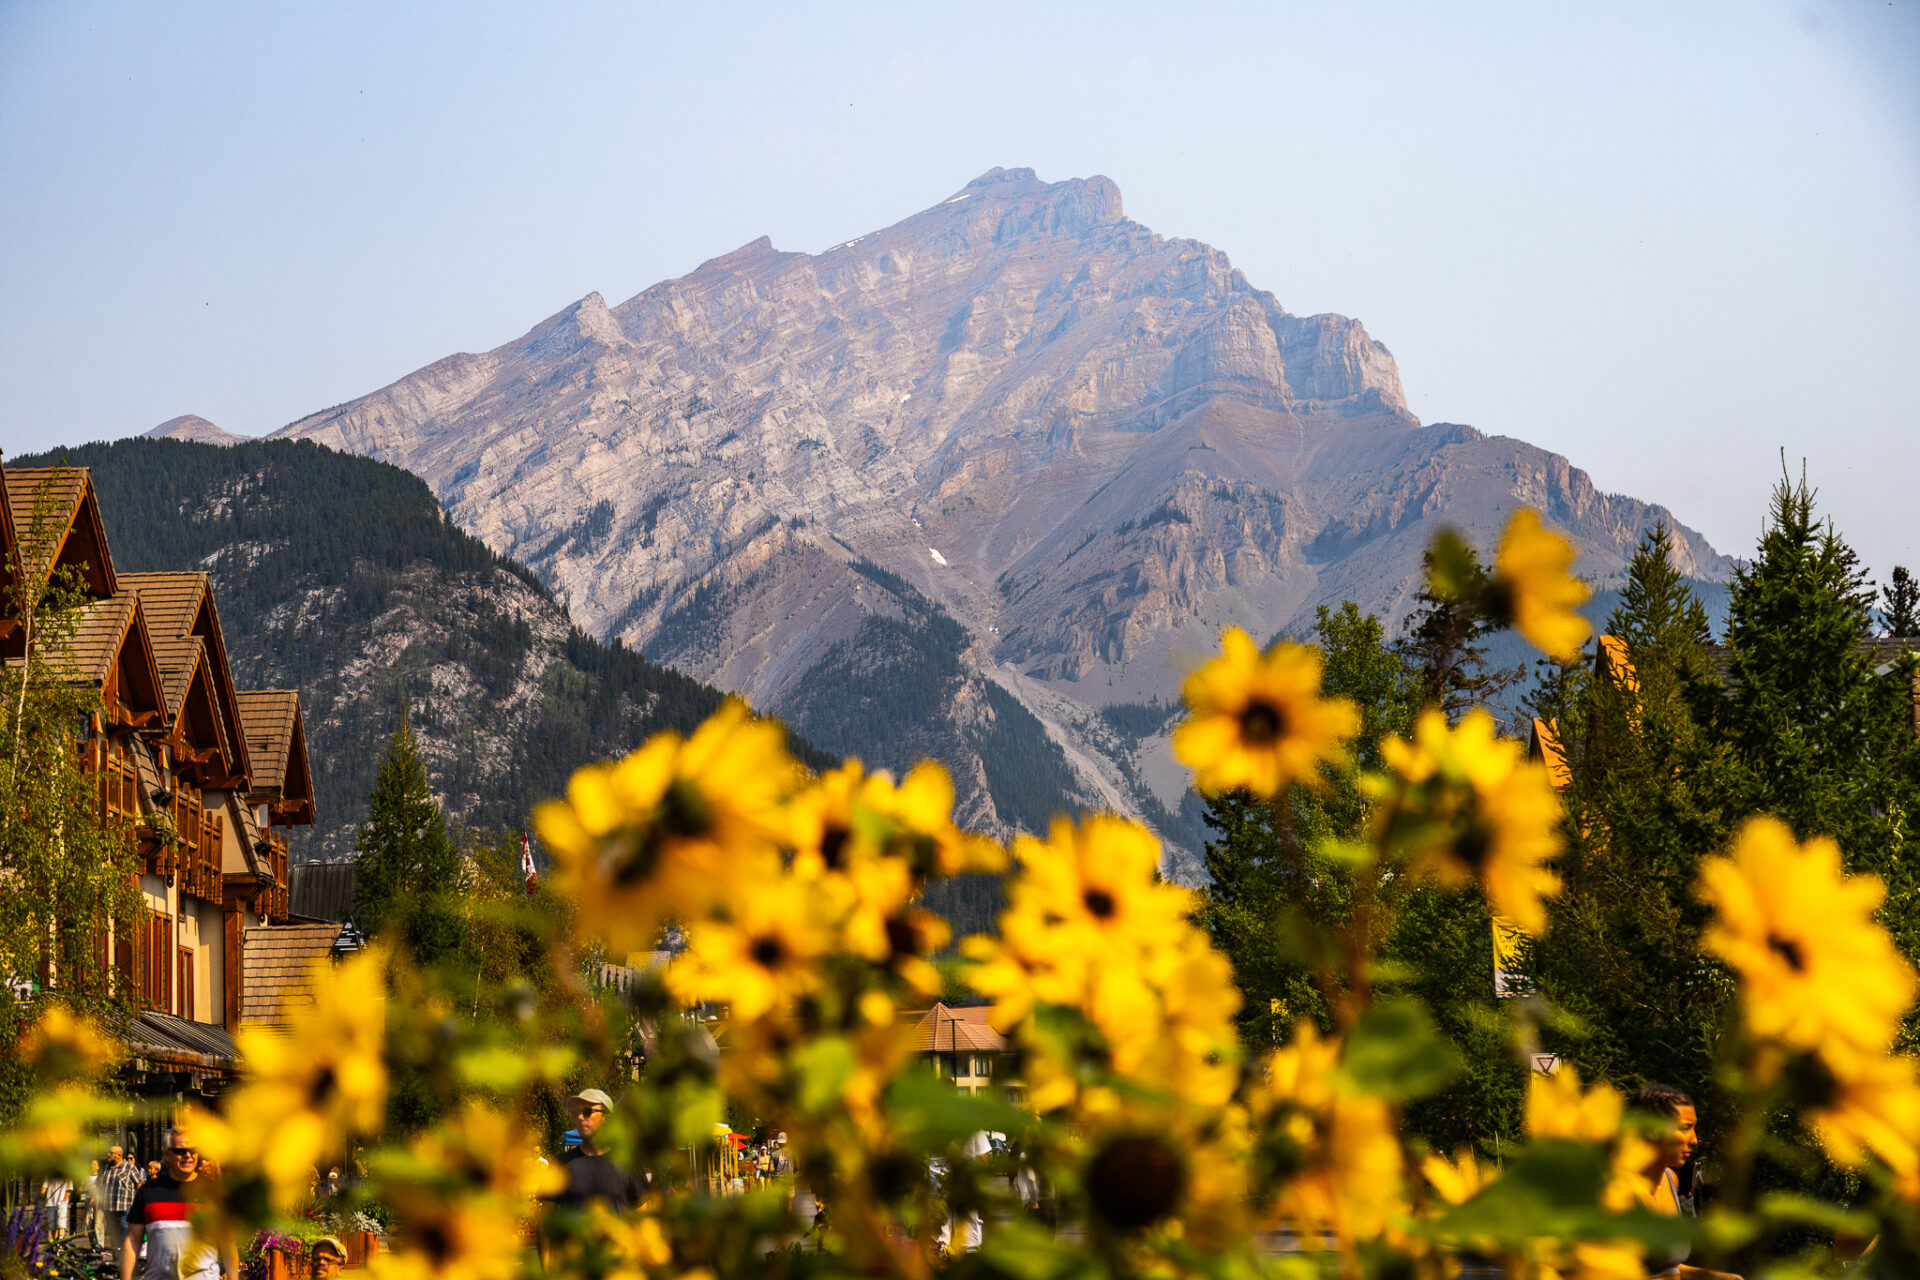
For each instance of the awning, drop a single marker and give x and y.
(164, 1040)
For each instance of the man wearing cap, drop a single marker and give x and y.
(327, 1258)
(591, 1173)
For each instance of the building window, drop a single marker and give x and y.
(156, 963)
(982, 1065)
(186, 983)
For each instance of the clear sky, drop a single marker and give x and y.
(1667, 240)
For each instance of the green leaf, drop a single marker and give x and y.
(1397, 1053)
(824, 1067)
(932, 1114)
(1454, 572)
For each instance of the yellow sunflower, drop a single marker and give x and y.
(1817, 972)
(1338, 1162)
(318, 1084)
(1559, 1109)
(63, 1043)
(758, 958)
(1467, 804)
(1533, 590)
(674, 827)
(1456, 1180)
(450, 1237)
(1873, 1106)
(1258, 721)
(1081, 910)
(885, 927)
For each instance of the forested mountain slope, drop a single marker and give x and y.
(341, 577)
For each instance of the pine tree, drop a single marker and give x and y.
(1900, 605)
(1816, 735)
(1442, 640)
(403, 856)
(1622, 953)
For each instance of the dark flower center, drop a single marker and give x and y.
(1788, 950)
(833, 847)
(323, 1087)
(1135, 1181)
(1099, 902)
(1811, 1082)
(684, 811)
(1473, 846)
(1262, 723)
(768, 951)
(902, 938)
(436, 1242)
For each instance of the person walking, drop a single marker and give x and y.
(56, 1193)
(1660, 1188)
(118, 1183)
(591, 1173)
(162, 1219)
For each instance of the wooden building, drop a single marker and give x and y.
(202, 779)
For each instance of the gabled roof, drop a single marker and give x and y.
(113, 631)
(277, 961)
(197, 707)
(276, 737)
(942, 1029)
(181, 606)
(76, 536)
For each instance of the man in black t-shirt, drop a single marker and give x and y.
(591, 1173)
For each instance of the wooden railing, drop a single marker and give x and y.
(274, 901)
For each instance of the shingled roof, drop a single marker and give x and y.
(175, 603)
(321, 890)
(943, 1029)
(278, 962)
(277, 745)
(79, 537)
(106, 629)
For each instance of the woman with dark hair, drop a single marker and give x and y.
(1660, 1190)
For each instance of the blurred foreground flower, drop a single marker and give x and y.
(1533, 589)
(63, 1045)
(676, 826)
(1258, 721)
(310, 1088)
(1559, 1108)
(1817, 972)
(1467, 805)
(1331, 1150)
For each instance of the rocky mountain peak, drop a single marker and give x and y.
(1014, 439)
(191, 426)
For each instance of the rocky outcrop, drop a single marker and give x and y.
(1090, 445)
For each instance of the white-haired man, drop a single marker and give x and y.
(162, 1218)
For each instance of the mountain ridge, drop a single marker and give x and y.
(1088, 444)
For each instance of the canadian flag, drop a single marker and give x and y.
(526, 862)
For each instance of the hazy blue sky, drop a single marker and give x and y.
(1666, 240)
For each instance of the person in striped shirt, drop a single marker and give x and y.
(162, 1219)
(118, 1182)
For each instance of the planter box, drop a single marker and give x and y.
(361, 1247)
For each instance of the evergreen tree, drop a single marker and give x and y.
(1443, 634)
(1817, 736)
(1900, 605)
(403, 857)
(1622, 953)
